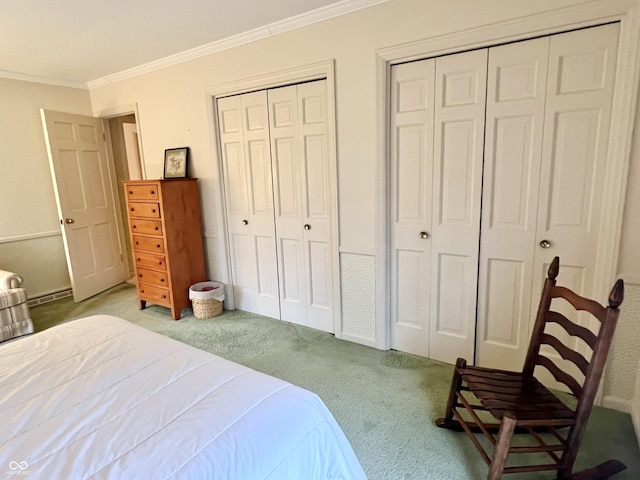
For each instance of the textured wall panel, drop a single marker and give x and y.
(622, 373)
(358, 283)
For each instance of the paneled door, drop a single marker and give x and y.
(246, 157)
(277, 189)
(298, 119)
(535, 158)
(438, 126)
(550, 106)
(82, 184)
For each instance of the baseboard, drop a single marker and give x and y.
(49, 297)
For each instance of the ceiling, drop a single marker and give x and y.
(78, 41)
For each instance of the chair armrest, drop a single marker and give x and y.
(9, 280)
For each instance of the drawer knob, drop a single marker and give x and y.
(156, 228)
(135, 226)
(164, 296)
(152, 192)
(153, 210)
(158, 246)
(130, 192)
(137, 259)
(161, 280)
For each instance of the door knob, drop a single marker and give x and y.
(545, 244)
(424, 235)
(245, 222)
(69, 220)
(307, 226)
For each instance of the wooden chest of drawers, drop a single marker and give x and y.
(166, 238)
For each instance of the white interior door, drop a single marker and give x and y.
(516, 93)
(437, 138)
(577, 121)
(458, 151)
(277, 184)
(298, 117)
(244, 136)
(412, 111)
(545, 159)
(84, 195)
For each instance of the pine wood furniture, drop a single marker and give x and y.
(166, 239)
(518, 403)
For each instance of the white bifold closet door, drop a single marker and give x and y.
(277, 190)
(438, 127)
(542, 149)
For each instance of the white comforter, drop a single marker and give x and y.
(102, 398)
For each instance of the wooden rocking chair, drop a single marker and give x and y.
(518, 403)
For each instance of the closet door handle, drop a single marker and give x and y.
(245, 222)
(424, 235)
(307, 226)
(545, 244)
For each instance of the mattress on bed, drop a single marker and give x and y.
(102, 398)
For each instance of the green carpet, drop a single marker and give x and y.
(386, 402)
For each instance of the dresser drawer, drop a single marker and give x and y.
(150, 227)
(151, 261)
(142, 192)
(152, 277)
(146, 210)
(148, 244)
(153, 294)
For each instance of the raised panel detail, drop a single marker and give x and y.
(319, 275)
(88, 134)
(573, 169)
(235, 176)
(255, 118)
(503, 313)
(408, 275)
(460, 88)
(286, 171)
(265, 254)
(412, 95)
(410, 188)
(457, 164)
(63, 131)
(230, 123)
(242, 254)
(260, 177)
(93, 180)
(104, 254)
(517, 81)
(582, 72)
(283, 115)
(72, 181)
(453, 294)
(85, 249)
(313, 110)
(511, 172)
(316, 174)
(290, 269)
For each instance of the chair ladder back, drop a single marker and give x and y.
(538, 326)
(609, 320)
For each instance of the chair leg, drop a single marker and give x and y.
(447, 421)
(503, 443)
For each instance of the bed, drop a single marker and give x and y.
(100, 397)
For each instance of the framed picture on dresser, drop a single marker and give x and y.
(175, 162)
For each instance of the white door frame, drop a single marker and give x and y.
(316, 71)
(627, 12)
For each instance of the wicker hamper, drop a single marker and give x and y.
(206, 299)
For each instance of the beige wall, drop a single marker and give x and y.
(174, 110)
(30, 239)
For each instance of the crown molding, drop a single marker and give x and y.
(324, 13)
(23, 77)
